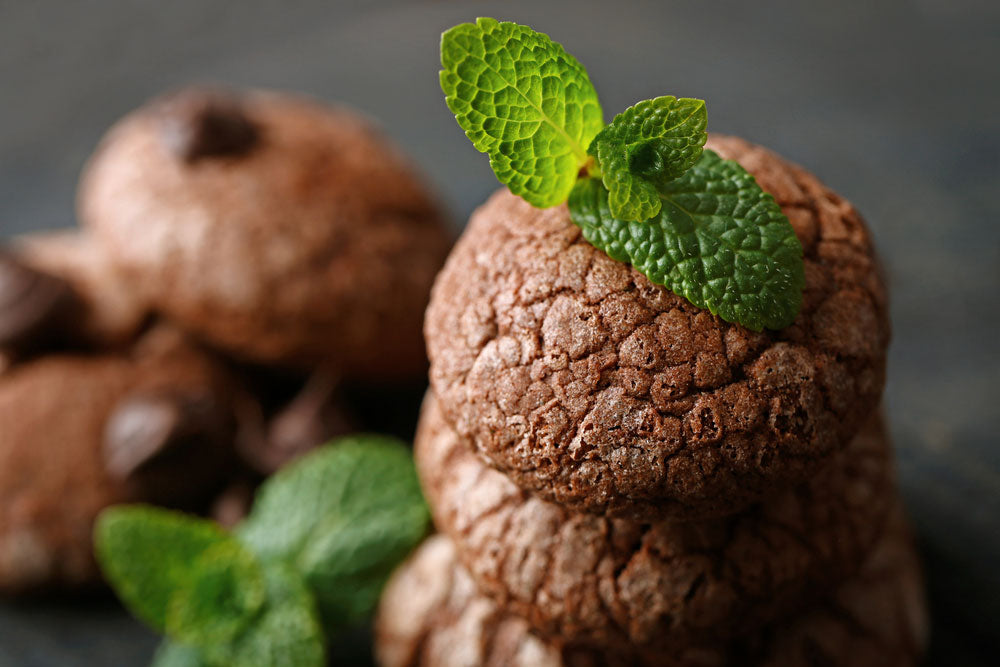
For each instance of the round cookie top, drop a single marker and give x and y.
(432, 614)
(666, 584)
(279, 229)
(81, 432)
(589, 385)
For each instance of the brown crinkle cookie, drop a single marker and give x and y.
(878, 618)
(593, 387)
(279, 229)
(664, 584)
(106, 310)
(432, 616)
(81, 432)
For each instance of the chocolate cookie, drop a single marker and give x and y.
(878, 618)
(591, 386)
(81, 432)
(610, 582)
(106, 309)
(278, 229)
(432, 616)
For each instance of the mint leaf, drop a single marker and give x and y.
(348, 565)
(719, 241)
(286, 633)
(289, 632)
(344, 516)
(148, 554)
(225, 591)
(645, 147)
(521, 98)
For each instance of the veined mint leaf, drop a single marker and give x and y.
(287, 632)
(521, 98)
(225, 591)
(645, 147)
(719, 241)
(148, 554)
(350, 561)
(344, 516)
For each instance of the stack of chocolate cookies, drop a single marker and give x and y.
(619, 477)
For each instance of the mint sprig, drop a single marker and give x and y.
(644, 148)
(288, 633)
(719, 241)
(225, 589)
(647, 194)
(148, 555)
(344, 520)
(320, 542)
(521, 98)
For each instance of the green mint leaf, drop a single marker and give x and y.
(521, 98)
(349, 564)
(148, 554)
(645, 147)
(344, 516)
(225, 591)
(719, 241)
(287, 633)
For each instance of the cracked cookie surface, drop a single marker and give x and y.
(593, 387)
(432, 616)
(614, 582)
(313, 242)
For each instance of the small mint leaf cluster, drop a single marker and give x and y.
(643, 189)
(323, 536)
(644, 148)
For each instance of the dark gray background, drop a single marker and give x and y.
(895, 104)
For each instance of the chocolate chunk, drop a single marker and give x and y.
(144, 428)
(310, 419)
(109, 311)
(32, 304)
(203, 123)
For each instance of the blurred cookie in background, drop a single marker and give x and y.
(80, 432)
(279, 230)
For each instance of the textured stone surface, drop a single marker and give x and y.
(662, 584)
(431, 616)
(53, 416)
(591, 386)
(316, 244)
